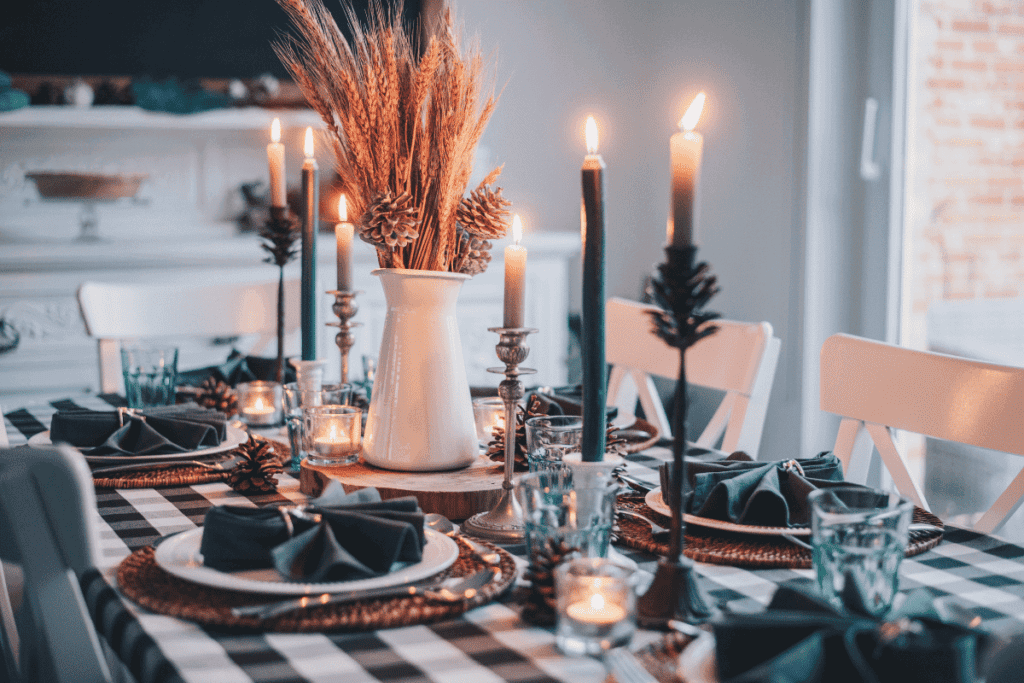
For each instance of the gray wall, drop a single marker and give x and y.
(636, 66)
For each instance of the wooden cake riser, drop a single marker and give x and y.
(456, 494)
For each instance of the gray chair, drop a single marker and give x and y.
(47, 513)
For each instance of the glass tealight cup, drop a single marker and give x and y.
(596, 606)
(332, 434)
(859, 537)
(295, 400)
(260, 404)
(488, 413)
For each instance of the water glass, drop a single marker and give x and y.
(260, 404)
(555, 510)
(595, 608)
(296, 399)
(332, 434)
(550, 439)
(859, 537)
(150, 375)
(488, 413)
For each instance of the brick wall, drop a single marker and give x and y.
(965, 179)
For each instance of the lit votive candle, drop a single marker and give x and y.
(489, 414)
(333, 434)
(259, 404)
(596, 606)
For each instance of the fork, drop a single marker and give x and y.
(655, 528)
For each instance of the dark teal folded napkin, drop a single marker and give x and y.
(742, 491)
(152, 431)
(237, 369)
(800, 637)
(358, 536)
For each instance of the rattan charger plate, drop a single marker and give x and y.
(142, 580)
(742, 550)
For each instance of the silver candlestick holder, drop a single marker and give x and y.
(505, 523)
(345, 308)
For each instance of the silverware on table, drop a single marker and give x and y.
(635, 484)
(920, 526)
(626, 667)
(655, 528)
(441, 523)
(447, 590)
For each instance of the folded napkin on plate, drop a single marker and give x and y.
(359, 536)
(236, 370)
(152, 431)
(739, 490)
(800, 637)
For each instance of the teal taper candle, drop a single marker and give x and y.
(594, 368)
(310, 220)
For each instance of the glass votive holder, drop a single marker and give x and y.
(332, 434)
(295, 399)
(260, 404)
(550, 438)
(488, 412)
(596, 606)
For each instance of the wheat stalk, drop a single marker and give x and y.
(400, 120)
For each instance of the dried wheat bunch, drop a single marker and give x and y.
(401, 121)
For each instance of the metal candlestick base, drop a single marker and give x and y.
(505, 523)
(681, 288)
(345, 308)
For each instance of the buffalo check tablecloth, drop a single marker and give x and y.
(488, 644)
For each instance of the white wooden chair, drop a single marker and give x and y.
(739, 359)
(877, 387)
(47, 518)
(114, 312)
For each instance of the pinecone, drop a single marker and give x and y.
(389, 222)
(279, 235)
(539, 607)
(257, 472)
(483, 213)
(217, 395)
(496, 448)
(473, 253)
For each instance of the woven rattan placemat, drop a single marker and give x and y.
(176, 475)
(142, 580)
(742, 550)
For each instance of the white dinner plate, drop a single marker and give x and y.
(657, 503)
(697, 662)
(179, 555)
(235, 437)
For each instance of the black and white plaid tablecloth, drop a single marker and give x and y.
(489, 644)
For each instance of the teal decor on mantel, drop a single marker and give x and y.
(11, 99)
(174, 98)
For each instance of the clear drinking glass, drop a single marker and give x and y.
(556, 510)
(550, 439)
(150, 375)
(332, 434)
(596, 606)
(295, 400)
(859, 537)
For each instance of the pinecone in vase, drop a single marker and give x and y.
(257, 472)
(473, 254)
(389, 222)
(539, 607)
(484, 213)
(217, 395)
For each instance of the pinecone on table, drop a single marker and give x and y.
(484, 213)
(257, 472)
(473, 254)
(539, 607)
(217, 395)
(496, 448)
(389, 222)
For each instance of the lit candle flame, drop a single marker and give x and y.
(517, 229)
(342, 208)
(692, 115)
(597, 601)
(275, 131)
(308, 146)
(334, 436)
(260, 404)
(591, 135)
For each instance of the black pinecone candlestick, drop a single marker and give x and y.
(279, 235)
